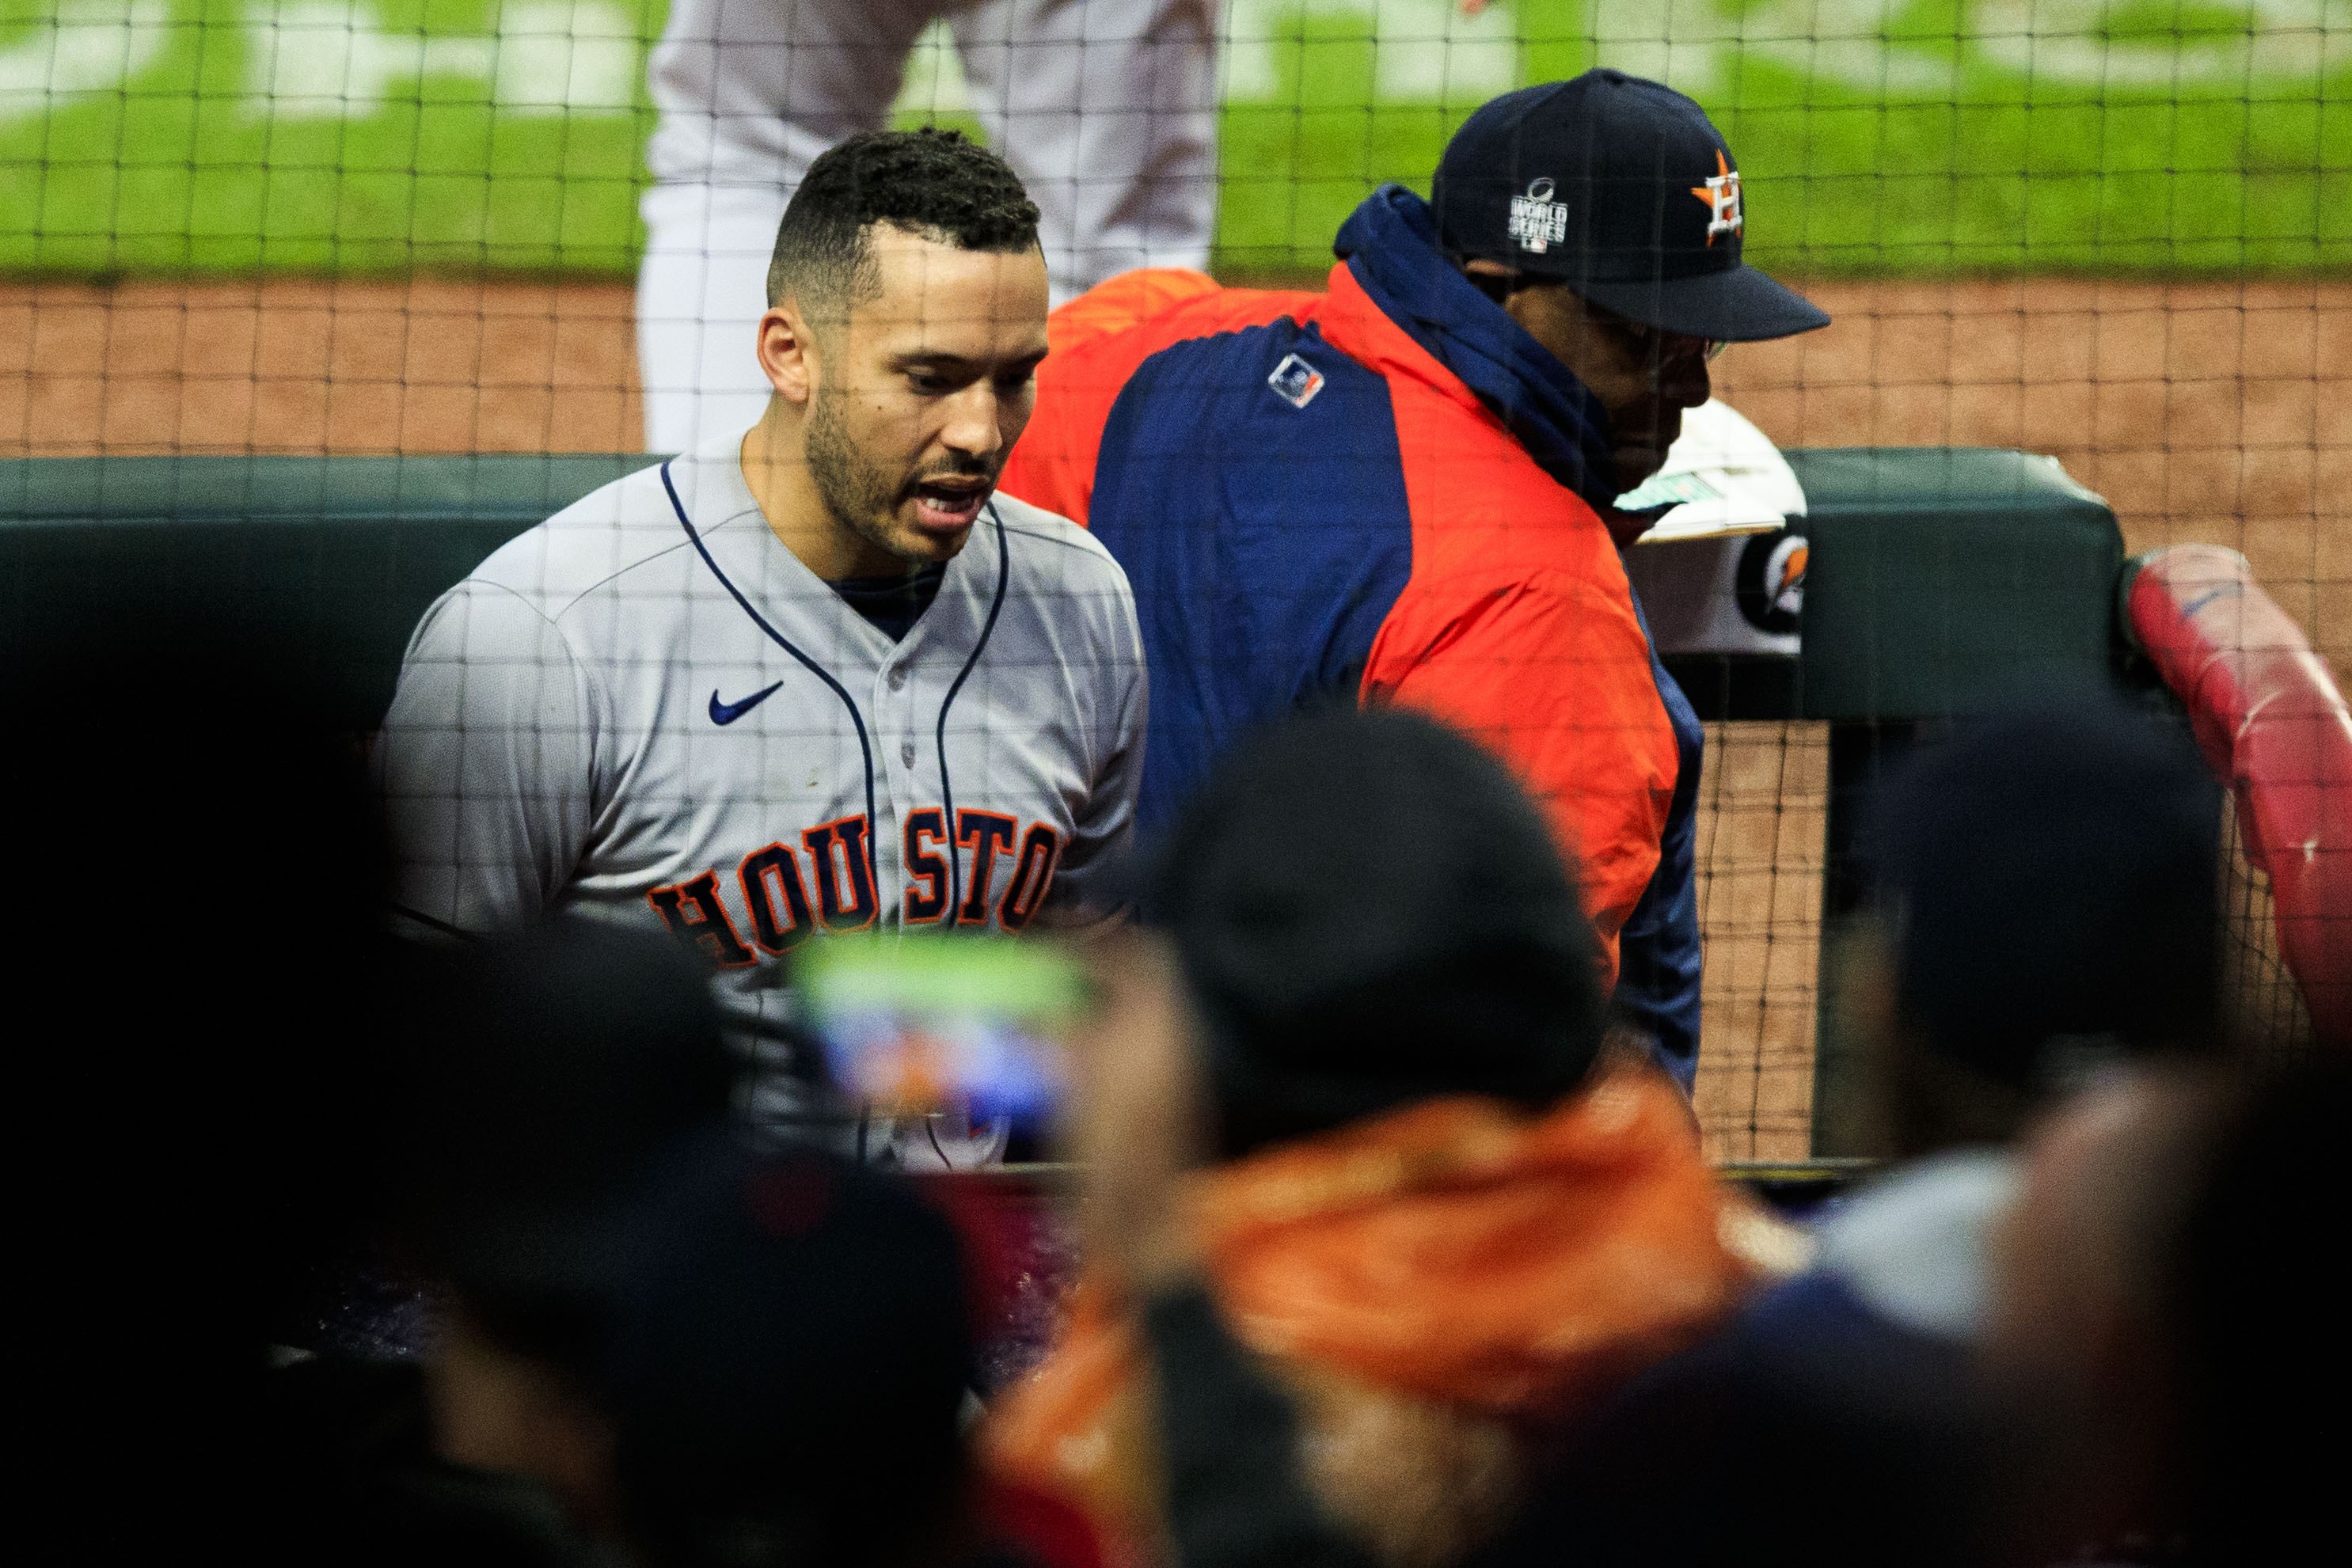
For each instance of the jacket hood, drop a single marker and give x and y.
(1390, 243)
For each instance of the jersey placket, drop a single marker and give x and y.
(909, 690)
(898, 783)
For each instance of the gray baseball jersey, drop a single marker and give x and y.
(647, 710)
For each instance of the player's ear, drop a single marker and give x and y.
(787, 352)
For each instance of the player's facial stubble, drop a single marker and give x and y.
(862, 495)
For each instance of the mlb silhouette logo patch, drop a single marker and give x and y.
(1296, 382)
(1538, 222)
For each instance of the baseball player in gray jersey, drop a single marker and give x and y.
(812, 677)
(1107, 108)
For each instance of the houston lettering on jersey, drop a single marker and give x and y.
(786, 893)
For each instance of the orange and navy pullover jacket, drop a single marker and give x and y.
(1387, 493)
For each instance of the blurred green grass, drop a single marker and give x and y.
(1906, 138)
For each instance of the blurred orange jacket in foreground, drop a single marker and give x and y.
(1442, 1289)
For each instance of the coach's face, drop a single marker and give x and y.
(1644, 379)
(918, 398)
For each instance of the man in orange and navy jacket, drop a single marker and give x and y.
(1401, 490)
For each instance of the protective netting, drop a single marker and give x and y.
(1763, 815)
(2263, 1008)
(2113, 231)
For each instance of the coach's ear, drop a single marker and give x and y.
(788, 353)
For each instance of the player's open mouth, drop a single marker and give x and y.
(946, 506)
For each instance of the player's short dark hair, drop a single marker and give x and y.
(930, 182)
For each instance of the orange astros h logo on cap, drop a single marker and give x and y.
(1721, 195)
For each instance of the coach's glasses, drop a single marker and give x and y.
(1646, 342)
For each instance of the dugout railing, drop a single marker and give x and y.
(1937, 578)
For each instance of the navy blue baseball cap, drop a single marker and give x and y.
(1623, 190)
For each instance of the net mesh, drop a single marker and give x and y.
(2113, 231)
(1763, 818)
(2263, 1009)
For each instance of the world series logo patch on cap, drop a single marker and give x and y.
(1538, 222)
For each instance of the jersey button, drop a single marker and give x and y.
(907, 752)
(898, 680)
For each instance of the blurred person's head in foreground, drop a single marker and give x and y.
(192, 956)
(2264, 1364)
(787, 1362)
(1370, 912)
(537, 1081)
(2046, 906)
(2172, 1369)
(2046, 901)
(905, 320)
(1371, 990)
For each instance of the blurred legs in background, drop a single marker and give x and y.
(1105, 108)
(703, 282)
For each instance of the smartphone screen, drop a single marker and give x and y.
(923, 1023)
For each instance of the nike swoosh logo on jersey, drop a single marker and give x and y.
(728, 713)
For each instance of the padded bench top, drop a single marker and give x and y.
(1935, 572)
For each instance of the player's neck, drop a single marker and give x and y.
(776, 471)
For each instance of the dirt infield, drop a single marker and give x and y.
(2210, 411)
(301, 366)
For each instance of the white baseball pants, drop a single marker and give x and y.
(1107, 108)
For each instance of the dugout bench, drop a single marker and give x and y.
(1938, 576)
